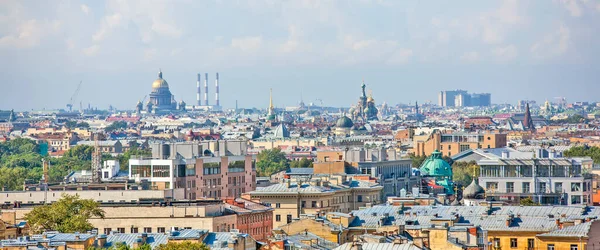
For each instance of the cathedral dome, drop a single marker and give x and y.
(160, 82)
(344, 122)
(473, 191)
(436, 166)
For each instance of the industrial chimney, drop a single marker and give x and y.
(198, 89)
(206, 89)
(217, 90)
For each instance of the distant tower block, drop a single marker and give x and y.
(206, 89)
(198, 90)
(217, 90)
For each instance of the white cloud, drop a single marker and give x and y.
(85, 9)
(247, 44)
(436, 22)
(108, 23)
(554, 44)
(471, 56)
(29, 33)
(491, 35)
(92, 50)
(150, 54)
(293, 41)
(505, 53)
(401, 56)
(573, 7)
(444, 36)
(598, 7)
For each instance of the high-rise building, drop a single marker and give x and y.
(461, 98)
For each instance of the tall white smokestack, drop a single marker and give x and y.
(206, 89)
(198, 89)
(217, 90)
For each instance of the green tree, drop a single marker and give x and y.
(528, 202)
(583, 151)
(417, 160)
(122, 246)
(68, 215)
(80, 152)
(302, 163)
(186, 245)
(132, 152)
(463, 172)
(270, 161)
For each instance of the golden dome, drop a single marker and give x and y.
(160, 82)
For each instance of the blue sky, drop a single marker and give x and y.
(405, 51)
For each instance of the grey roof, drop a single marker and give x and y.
(526, 218)
(581, 230)
(154, 240)
(186, 234)
(530, 162)
(298, 240)
(300, 171)
(310, 188)
(379, 246)
(295, 188)
(218, 240)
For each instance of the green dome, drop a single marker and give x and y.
(344, 122)
(436, 166)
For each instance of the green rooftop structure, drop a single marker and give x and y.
(436, 167)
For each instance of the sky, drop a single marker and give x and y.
(317, 50)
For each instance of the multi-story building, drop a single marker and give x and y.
(204, 177)
(57, 142)
(291, 199)
(546, 181)
(453, 143)
(461, 98)
(382, 165)
(134, 218)
(253, 218)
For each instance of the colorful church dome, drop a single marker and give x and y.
(436, 166)
(160, 82)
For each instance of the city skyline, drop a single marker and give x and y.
(406, 52)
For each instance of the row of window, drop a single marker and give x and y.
(514, 243)
(527, 171)
(255, 218)
(288, 219)
(134, 230)
(542, 188)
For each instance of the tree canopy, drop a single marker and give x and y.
(68, 215)
(270, 161)
(582, 151)
(186, 245)
(463, 172)
(528, 202)
(302, 163)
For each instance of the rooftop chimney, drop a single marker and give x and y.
(206, 89)
(217, 90)
(198, 89)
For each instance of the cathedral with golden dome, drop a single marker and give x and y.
(161, 98)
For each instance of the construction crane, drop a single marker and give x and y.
(73, 97)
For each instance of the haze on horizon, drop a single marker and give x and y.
(405, 51)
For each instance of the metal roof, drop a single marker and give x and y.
(581, 230)
(154, 240)
(378, 246)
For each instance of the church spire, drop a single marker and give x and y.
(527, 120)
(159, 73)
(271, 107)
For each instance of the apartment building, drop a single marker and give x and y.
(546, 181)
(453, 143)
